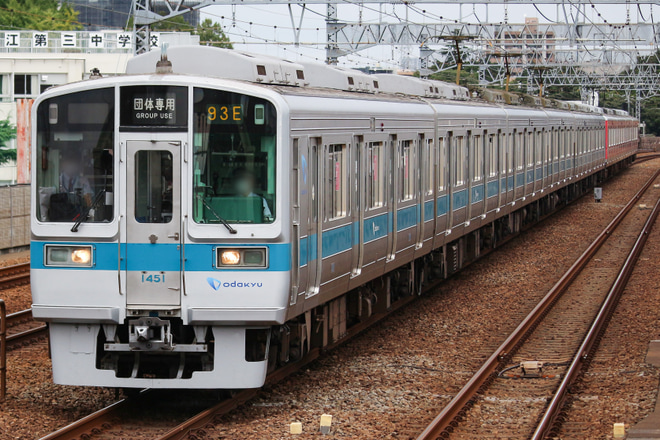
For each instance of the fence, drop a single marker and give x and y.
(14, 216)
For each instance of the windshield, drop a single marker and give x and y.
(234, 158)
(75, 165)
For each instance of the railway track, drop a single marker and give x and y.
(644, 157)
(128, 413)
(125, 413)
(16, 275)
(521, 390)
(22, 329)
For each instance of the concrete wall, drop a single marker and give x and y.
(650, 143)
(14, 216)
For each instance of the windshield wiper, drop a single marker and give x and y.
(220, 219)
(83, 218)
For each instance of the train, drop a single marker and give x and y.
(213, 215)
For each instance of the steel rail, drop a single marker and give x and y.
(12, 320)
(646, 157)
(88, 424)
(184, 429)
(448, 418)
(15, 275)
(16, 318)
(18, 338)
(585, 353)
(92, 421)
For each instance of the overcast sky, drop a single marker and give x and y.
(255, 28)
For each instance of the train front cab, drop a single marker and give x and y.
(175, 278)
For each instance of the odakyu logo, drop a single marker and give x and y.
(217, 284)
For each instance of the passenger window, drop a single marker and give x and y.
(477, 154)
(459, 160)
(442, 164)
(75, 146)
(519, 147)
(530, 149)
(406, 170)
(376, 175)
(493, 155)
(234, 158)
(338, 174)
(508, 138)
(428, 165)
(153, 186)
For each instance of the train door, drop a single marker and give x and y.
(449, 183)
(357, 199)
(299, 217)
(314, 201)
(153, 224)
(426, 159)
(529, 162)
(509, 167)
(470, 173)
(393, 192)
(441, 199)
(478, 192)
(501, 167)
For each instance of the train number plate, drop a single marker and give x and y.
(155, 277)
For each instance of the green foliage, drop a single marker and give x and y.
(7, 133)
(651, 115)
(174, 24)
(38, 15)
(469, 76)
(563, 93)
(211, 34)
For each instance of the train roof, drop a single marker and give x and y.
(264, 69)
(269, 70)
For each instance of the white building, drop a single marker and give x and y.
(32, 61)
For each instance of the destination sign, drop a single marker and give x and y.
(224, 114)
(149, 106)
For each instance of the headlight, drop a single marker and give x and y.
(68, 256)
(81, 256)
(242, 257)
(230, 258)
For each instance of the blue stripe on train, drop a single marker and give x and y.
(443, 205)
(460, 199)
(477, 193)
(199, 257)
(493, 188)
(428, 210)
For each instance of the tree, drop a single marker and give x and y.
(211, 34)
(7, 133)
(38, 15)
(174, 24)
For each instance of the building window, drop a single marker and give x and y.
(338, 173)
(376, 177)
(22, 85)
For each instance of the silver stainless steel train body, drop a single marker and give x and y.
(184, 224)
